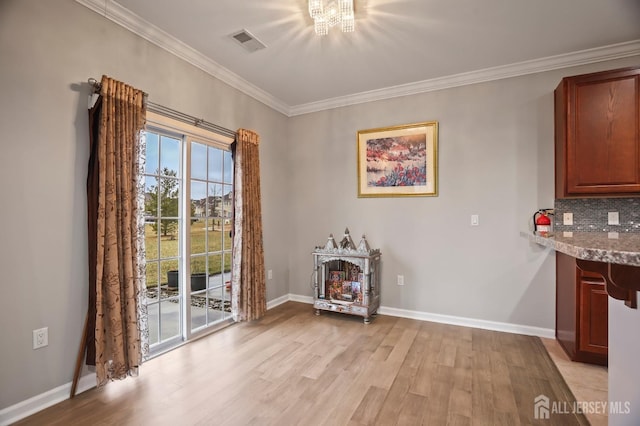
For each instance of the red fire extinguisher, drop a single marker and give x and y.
(542, 222)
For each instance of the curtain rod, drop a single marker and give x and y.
(176, 115)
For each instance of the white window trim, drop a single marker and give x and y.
(189, 130)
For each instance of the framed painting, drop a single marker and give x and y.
(398, 161)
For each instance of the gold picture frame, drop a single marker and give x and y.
(398, 161)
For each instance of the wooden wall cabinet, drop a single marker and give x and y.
(597, 134)
(581, 312)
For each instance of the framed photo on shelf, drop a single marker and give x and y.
(354, 271)
(336, 276)
(346, 288)
(334, 289)
(398, 161)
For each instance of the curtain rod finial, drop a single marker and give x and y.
(95, 84)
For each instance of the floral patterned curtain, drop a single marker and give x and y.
(117, 335)
(248, 282)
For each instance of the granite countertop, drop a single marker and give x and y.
(621, 248)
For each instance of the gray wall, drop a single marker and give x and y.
(47, 52)
(496, 159)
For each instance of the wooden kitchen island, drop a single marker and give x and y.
(590, 266)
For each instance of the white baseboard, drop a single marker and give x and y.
(301, 299)
(40, 402)
(278, 301)
(453, 320)
(469, 322)
(31, 406)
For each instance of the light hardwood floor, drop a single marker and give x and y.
(293, 368)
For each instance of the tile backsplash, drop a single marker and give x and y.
(591, 214)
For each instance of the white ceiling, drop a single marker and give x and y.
(398, 47)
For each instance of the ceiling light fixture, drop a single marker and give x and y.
(329, 14)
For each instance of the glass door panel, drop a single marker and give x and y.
(162, 237)
(207, 248)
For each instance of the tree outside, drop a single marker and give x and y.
(167, 190)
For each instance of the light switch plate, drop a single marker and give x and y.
(614, 218)
(567, 218)
(475, 220)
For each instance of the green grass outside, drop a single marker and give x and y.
(200, 250)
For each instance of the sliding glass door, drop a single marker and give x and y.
(188, 261)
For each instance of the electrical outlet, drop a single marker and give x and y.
(475, 220)
(567, 218)
(614, 218)
(40, 337)
(400, 279)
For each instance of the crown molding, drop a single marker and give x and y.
(599, 54)
(132, 22)
(127, 19)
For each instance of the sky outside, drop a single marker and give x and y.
(207, 164)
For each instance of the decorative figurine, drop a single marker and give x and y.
(331, 243)
(364, 245)
(347, 242)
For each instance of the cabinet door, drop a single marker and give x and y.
(602, 133)
(594, 334)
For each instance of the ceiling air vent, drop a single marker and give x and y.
(247, 40)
